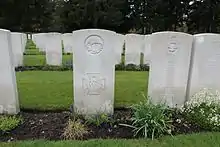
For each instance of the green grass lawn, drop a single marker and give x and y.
(51, 90)
(195, 140)
(40, 60)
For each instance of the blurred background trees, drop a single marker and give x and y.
(140, 16)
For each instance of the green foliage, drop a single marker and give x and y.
(8, 123)
(150, 120)
(203, 109)
(75, 130)
(141, 16)
(99, 119)
(205, 116)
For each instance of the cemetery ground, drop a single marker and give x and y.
(45, 100)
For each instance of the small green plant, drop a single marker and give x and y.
(8, 123)
(99, 119)
(203, 109)
(149, 120)
(75, 130)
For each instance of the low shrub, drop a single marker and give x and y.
(203, 109)
(149, 120)
(68, 66)
(8, 123)
(99, 120)
(75, 129)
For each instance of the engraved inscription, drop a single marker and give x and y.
(94, 44)
(172, 46)
(93, 84)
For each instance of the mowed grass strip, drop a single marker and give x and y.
(40, 60)
(195, 140)
(53, 90)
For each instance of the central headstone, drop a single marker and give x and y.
(169, 69)
(134, 44)
(205, 69)
(17, 48)
(94, 70)
(53, 49)
(8, 89)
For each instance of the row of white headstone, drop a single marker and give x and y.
(18, 43)
(51, 44)
(180, 66)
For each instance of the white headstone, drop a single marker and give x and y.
(34, 37)
(24, 41)
(53, 49)
(134, 44)
(119, 47)
(205, 68)
(147, 50)
(94, 71)
(8, 86)
(17, 49)
(169, 69)
(40, 41)
(29, 36)
(67, 42)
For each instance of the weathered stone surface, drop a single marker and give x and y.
(134, 45)
(9, 103)
(94, 71)
(17, 49)
(205, 68)
(169, 69)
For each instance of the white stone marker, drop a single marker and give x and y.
(34, 38)
(17, 49)
(94, 71)
(169, 69)
(205, 68)
(147, 50)
(134, 44)
(40, 41)
(119, 47)
(24, 41)
(29, 36)
(53, 49)
(9, 103)
(67, 42)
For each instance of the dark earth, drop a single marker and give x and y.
(50, 126)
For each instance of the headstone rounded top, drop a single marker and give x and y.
(40, 34)
(206, 34)
(16, 33)
(4, 30)
(67, 35)
(200, 38)
(132, 34)
(93, 30)
(171, 32)
(53, 34)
